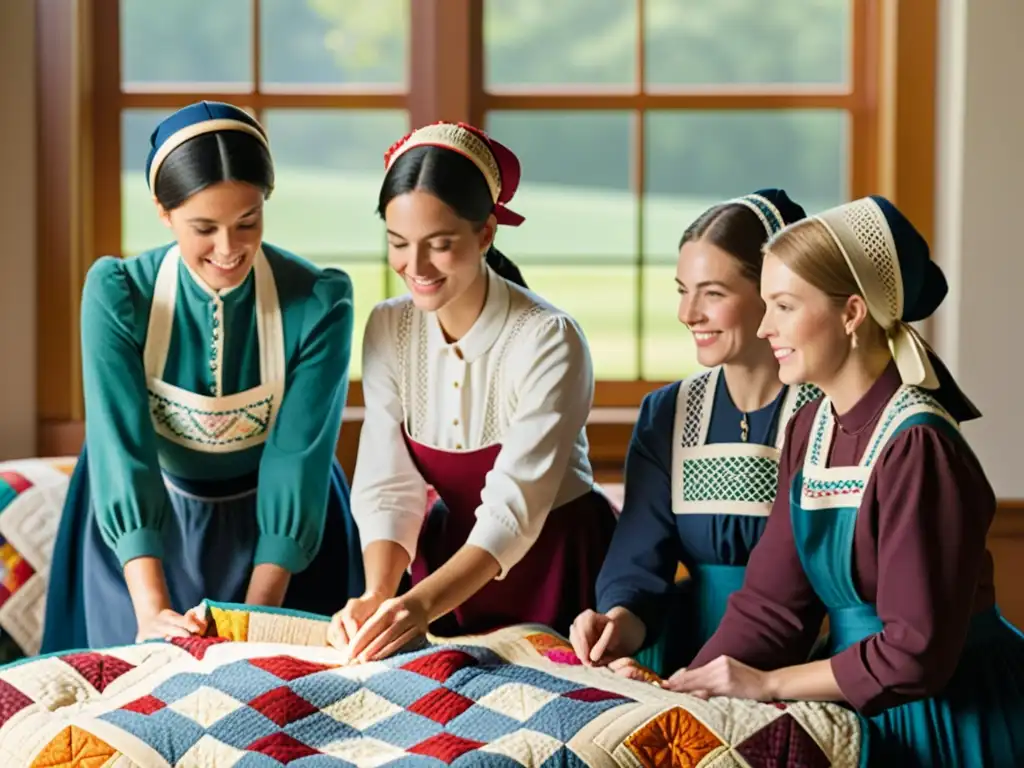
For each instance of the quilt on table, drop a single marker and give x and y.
(263, 690)
(32, 495)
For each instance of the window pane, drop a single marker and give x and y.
(195, 42)
(539, 42)
(668, 350)
(328, 166)
(602, 299)
(141, 228)
(326, 42)
(697, 159)
(701, 42)
(578, 246)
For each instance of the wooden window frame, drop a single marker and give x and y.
(890, 99)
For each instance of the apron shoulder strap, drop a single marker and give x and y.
(161, 315)
(909, 406)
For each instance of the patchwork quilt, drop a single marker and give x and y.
(31, 499)
(262, 689)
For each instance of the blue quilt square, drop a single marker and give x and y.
(242, 727)
(258, 760)
(484, 760)
(564, 758)
(169, 733)
(404, 730)
(318, 730)
(474, 682)
(324, 688)
(561, 718)
(481, 724)
(401, 687)
(322, 761)
(179, 686)
(534, 677)
(242, 680)
(418, 761)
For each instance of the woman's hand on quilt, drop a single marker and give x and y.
(723, 677)
(345, 623)
(397, 623)
(166, 624)
(632, 670)
(600, 638)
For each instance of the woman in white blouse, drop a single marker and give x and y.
(480, 390)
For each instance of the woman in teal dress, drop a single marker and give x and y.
(881, 517)
(692, 438)
(215, 372)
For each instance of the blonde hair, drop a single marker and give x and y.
(808, 250)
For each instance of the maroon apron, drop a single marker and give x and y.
(553, 582)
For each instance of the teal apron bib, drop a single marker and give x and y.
(978, 720)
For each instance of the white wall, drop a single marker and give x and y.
(980, 223)
(18, 229)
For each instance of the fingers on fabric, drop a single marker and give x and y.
(584, 633)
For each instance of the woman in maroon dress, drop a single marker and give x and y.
(881, 518)
(479, 389)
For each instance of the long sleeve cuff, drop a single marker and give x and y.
(506, 546)
(859, 687)
(142, 542)
(402, 528)
(283, 551)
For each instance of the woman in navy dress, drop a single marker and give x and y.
(881, 518)
(701, 466)
(215, 372)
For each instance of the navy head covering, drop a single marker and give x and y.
(773, 207)
(195, 120)
(892, 265)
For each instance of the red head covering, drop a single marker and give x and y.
(498, 164)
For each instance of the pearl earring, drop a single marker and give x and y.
(853, 341)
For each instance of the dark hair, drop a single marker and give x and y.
(211, 158)
(735, 229)
(456, 182)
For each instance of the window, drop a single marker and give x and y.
(634, 117)
(630, 116)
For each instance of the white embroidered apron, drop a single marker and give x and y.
(724, 478)
(217, 423)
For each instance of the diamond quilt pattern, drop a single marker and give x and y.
(495, 700)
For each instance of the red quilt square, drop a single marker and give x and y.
(98, 668)
(18, 482)
(282, 747)
(445, 747)
(441, 705)
(147, 705)
(197, 646)
(592, 695)
(283, 706)
(288, 667)
(441, 665)
(12, 701)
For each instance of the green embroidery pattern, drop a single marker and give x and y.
(730, 478)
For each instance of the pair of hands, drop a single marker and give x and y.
(375, 627)
(167, 623)
(601, 639)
